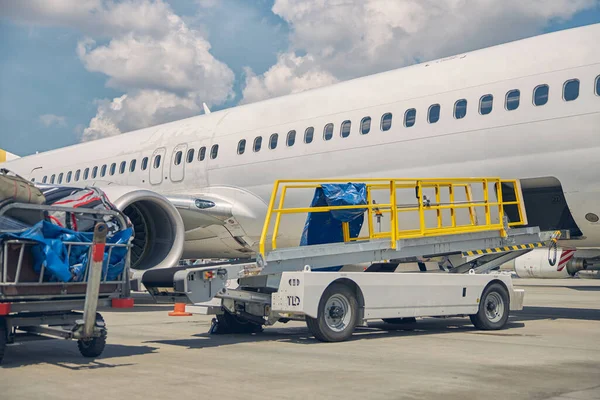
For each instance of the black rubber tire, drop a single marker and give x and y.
(480, 320)
(3, 338)
(229, 323)
(399, 321)
(318, 326)
(93, 347)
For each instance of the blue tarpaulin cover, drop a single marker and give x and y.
(326, 227)
(52, 251)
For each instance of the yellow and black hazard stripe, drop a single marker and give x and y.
(503, 249)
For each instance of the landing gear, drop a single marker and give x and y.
(493, 308)
(337, 314)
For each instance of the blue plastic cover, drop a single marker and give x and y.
(52, 251)
(326, 227)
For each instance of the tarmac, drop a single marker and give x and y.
(550, 350)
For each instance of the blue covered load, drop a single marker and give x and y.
(62, 265)
(326, 227)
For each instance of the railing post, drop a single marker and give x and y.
(370, 211)
(486, 200)
(265, 231)
(421, 207)
(438, 202)
(452, 209)
(394, 214)
(278, 218)
(500, 208)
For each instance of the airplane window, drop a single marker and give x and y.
(122, 167)
(540, 95)
(273, 141)
(144, 163)
(291, 138)
(328, 132)
(60, 177)
(132, 165)
(386, 122)
(409, 117)
(257, 143)
(52, 179)
(44, 179)
(571, 90)
(86, 174)
(598, 86)
(157, 161)
(365, 125)
(95, 172)
(77, 175)
(190, 155)
(202, 153)
(460, 109)
(513, 98)
(345, 129)
(214, 151)
(113, 168)
(69, 175)
(486, 103)
(433, 115)
(308, 135)
(241, 146)
(178, 157)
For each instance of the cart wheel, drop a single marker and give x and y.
(337, 314)
(399, 321)
(3, 338)
(95, 346)
(493, 308)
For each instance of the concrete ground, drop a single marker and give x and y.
(550, 351)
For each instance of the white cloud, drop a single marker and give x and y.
(351, 38)
(50, 119)
(165, 68)
(291, 74)
(139, 109)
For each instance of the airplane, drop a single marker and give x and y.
(199, 187)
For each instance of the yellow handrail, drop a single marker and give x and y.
(422, 207)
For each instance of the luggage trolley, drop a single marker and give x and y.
(34, 304)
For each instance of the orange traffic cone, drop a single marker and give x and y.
(179, 311)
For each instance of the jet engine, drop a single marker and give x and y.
(158, 227)
(553, 263)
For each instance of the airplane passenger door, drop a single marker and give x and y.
(178, 161)
(156, 166)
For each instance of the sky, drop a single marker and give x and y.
(79, 70)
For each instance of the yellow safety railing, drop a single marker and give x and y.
(421, 207)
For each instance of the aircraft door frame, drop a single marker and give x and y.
(156, 173)
(177, 172)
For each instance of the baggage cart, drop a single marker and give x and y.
(34, 304)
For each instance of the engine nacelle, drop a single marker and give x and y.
(537, 264)
(158, 227)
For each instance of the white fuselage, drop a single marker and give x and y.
(559, 139)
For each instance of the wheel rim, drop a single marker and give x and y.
(494, 307)
(338, 313)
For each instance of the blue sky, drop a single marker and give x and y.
(50, 92)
